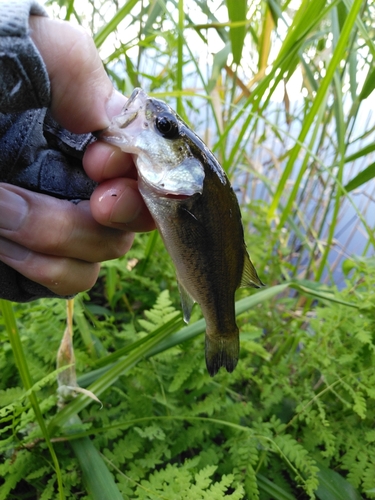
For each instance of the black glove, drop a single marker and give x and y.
(38, 154)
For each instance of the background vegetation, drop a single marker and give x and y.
(282, 91)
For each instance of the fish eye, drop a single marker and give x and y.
(167, 125)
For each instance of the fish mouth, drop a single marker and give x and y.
(132, 113)
(177, 197)
(133, 97)
(134, 105)
(156, 190)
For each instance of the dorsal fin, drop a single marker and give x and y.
(249, 274)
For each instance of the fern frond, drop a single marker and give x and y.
(185, 368)
(161, 313)
(298, 456)
(251, 483)
(359, 400)
(13, 470)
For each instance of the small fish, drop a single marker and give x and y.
(197, 213)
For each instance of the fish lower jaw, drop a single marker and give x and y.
(176, 196)
(157, 192)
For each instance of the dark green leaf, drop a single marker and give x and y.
(273, 490)
(362, 152)
(237, 13)
(366, 175)
(332, 486)
(368, 86)
(98, 480)
(101, 36)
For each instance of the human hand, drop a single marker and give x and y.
(55, 242)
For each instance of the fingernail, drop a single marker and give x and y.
(13, 210)
(127, 208)
(12, 250)
(126, 205)
(115, 104)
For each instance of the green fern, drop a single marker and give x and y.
(305, 467)
(302, 393)
(161, 313)
(13, 470)
(184, 370)
(251, 483)
(184, 483)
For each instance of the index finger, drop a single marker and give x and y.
(103, 161)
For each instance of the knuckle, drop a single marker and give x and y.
(81, 42)
(117, 246)
(66, 277)
(50, 225)
(82, 50)
(52, 273)
(55, 240)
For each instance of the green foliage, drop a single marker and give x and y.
(183, 483)
(167, 430)
(295, 419)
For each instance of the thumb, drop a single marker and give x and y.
(83, 97)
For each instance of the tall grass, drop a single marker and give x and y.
(282, 93)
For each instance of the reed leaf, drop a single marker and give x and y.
(111, 26)
(310, 117)
(23, 370)
(99, 482)
(237, 10)
(365, 176)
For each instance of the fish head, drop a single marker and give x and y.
(150, 130)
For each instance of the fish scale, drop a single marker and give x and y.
(197, 213)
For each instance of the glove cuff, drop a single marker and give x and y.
(26, 85)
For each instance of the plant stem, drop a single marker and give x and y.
(21, 362)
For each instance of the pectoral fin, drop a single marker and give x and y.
(249, 274)
(187, 302)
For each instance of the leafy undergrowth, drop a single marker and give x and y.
(294, 420)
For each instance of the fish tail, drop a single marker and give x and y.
(222, 351)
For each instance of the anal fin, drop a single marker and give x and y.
(249, 275)
(187, 302)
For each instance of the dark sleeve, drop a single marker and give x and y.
(36, 153)
(24, 82)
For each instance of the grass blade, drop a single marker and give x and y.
(108, 378)
(332, 486)
(97, 478)
(237, 12)
(310, 117)
(366, 175)
(272, 490)
(110, 27)
(19, 355)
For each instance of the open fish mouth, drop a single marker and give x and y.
(149, 130)
(133, 107)
(176, 196)
(126, 126)
(133, 96)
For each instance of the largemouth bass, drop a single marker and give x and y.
(197, 214)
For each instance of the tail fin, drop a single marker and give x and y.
(222, 351)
